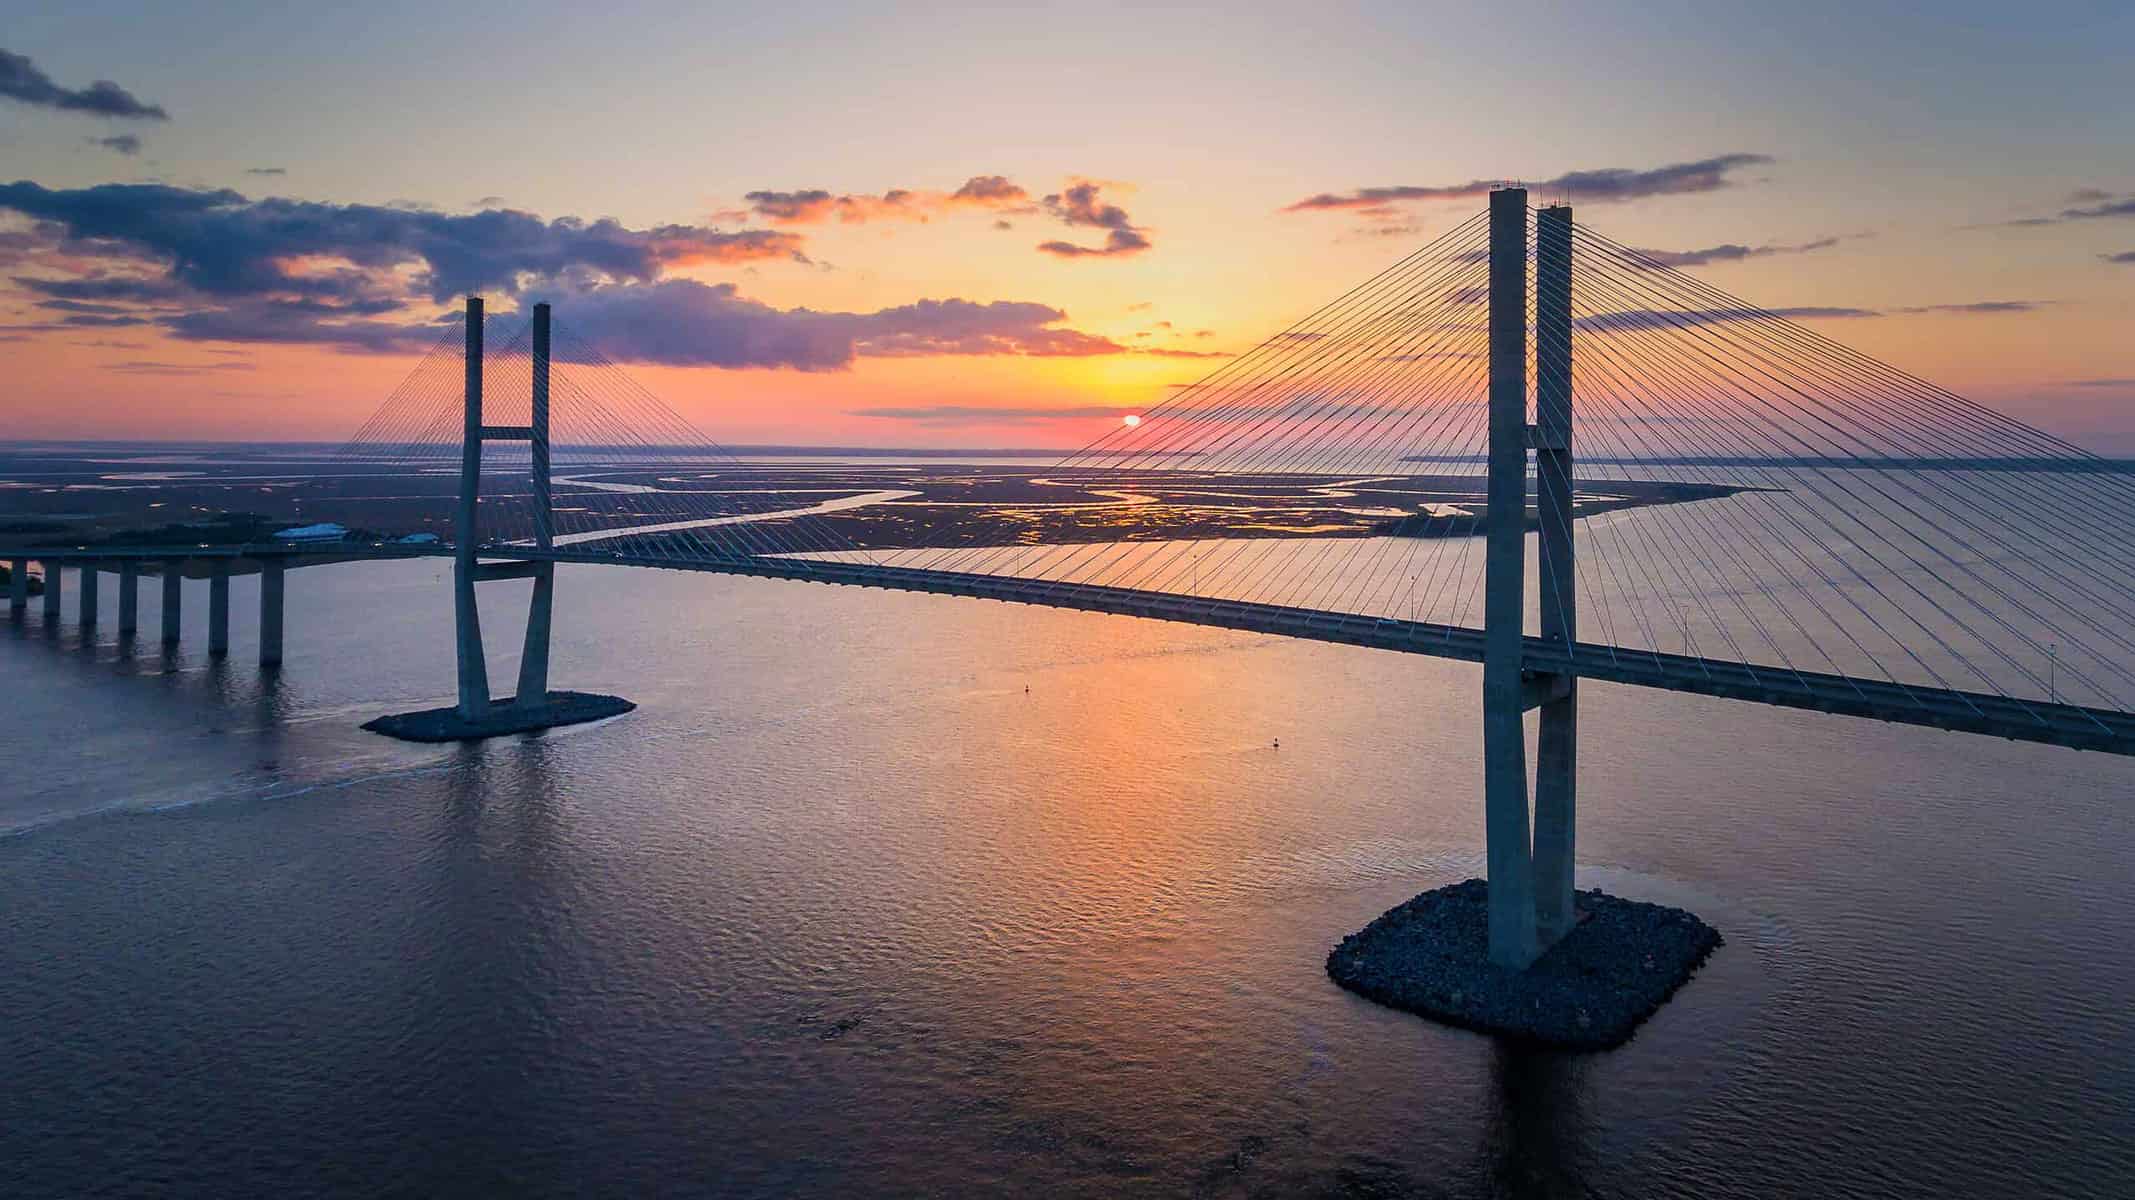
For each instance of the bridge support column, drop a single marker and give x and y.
(1510, 852)
(173, 602)
(219, 609)
(18, 588)
(1557, 748)
(271, 579)
(53, 575)
(534, 658)
(467, 617)
(129, 597)
(87, 603)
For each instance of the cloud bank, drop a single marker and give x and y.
(681, 322)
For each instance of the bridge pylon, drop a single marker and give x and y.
(1529, 862)
(467, 567)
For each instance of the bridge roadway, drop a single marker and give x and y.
(2074, 726)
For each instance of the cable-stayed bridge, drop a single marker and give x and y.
(1721, 501)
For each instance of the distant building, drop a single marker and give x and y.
(326, 532)
(418, 539)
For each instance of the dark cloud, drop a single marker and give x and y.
(1640, 318)
(301, 323)
(1603, 185)
(972, 414)
(106, 288)
(2085, 204)
(1979, 306)
(215, 266)
(119, 143)
(2125, 256)
(219, 243)
(1080, 205)
(2124, 207)
(816, 205)
(1730, 252)
(1161, 352)
(2116, 382)
(23, 80)
(266, 170)
(82, 306)
(680, 322)
(1118, 243)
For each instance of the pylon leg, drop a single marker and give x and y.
(1556, 813)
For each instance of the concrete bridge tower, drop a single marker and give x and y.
(467, 567)
(1530, 864)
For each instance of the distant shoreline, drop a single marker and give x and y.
(1077, 456)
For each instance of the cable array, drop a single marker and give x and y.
(1747, 491)
(629, 477)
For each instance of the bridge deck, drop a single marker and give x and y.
(2069, 725)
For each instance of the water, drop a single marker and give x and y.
(843, 909)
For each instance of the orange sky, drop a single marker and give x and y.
(1203, 139)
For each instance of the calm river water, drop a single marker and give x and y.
(881, 894)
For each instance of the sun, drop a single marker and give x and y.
(1131, 420)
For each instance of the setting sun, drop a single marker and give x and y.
(1130, 420)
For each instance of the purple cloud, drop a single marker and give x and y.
(680, 322)
(219, 243)
(1730, 252)
(1603, 185)
(1080, 206)
(21, 79)
(815, 205)
(1637, 318)
(301, 323)
(1979, 306)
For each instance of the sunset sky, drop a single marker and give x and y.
(1003, 225)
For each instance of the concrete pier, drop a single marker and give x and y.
(270, 612)
(53, 574)
(129, 597)
(89, 576)
(219, 609)
(18, 588)
(173, 603)
(1510, 852)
